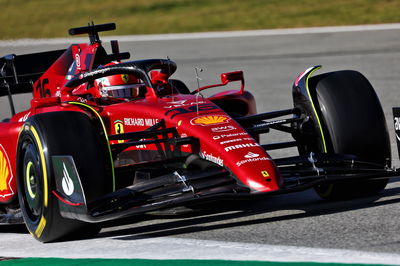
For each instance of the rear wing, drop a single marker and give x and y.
(19, 72)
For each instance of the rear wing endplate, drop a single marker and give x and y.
(19, 72)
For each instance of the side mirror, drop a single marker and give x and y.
(232, 76)
(225, 79)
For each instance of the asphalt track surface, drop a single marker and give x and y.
(297, 226)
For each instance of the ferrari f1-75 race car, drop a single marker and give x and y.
(106, 138)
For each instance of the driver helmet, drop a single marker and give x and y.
(119, 86)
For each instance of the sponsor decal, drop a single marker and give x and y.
(251, 160)
(181, 103)
(119, 129)
(141, 146)
(125, 78)
(251, 155)
(134, 122)
(67, 183)
(191, 109)
(93, 73)
(24, 118)
(230, 141)
(223, 128)
(82, 100)
(6, 174)
(67, 180)
(210, 157)
(230, 135)
(184, 135)
(78, 61)
(397, 123)
(241, 146)
(140, 121)
(397, 126)
(207, 120)
(265, 173)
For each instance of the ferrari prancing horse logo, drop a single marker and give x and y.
(119, 128)
(125, 78)
(265, 173)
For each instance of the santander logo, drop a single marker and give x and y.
(251, 155)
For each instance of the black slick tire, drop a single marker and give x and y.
(354, 123)
(51, 134)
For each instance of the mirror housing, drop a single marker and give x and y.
(225, 79)
(232, 76)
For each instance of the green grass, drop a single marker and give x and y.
(52, 18)
(140, 262)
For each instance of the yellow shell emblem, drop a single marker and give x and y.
(210, 120)
(4, 171)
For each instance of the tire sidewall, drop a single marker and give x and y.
(61, 133)
(49, 208)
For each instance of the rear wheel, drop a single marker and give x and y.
(51, 134)
(352, 122)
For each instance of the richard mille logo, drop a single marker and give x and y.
(67, 183)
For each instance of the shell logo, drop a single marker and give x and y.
(5, 174)
(208, 120)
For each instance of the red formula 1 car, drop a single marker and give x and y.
(105, 139)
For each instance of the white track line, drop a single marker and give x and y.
(204, 35)
(20, 245)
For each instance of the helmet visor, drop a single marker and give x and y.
(122, 91)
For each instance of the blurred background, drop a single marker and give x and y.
(49, 18)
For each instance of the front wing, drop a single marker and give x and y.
(185, 188)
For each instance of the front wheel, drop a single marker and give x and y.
(352, 122)
(58, 134)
